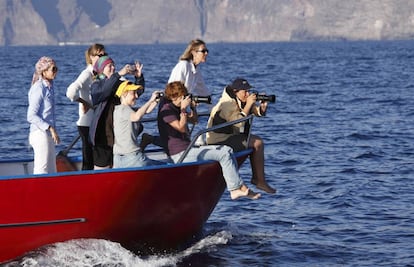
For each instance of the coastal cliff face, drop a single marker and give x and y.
(51, 22)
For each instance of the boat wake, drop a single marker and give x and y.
(99, 252)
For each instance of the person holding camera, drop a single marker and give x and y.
(236, 102)
(103, 91)
(127, 126)
(173, 119)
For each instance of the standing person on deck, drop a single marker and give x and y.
(103, 91)
(188, 71)
(173, 119)
(127, 126)
(41, 115)
(79, 91)
(236, 102)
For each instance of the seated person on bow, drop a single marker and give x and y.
(173, 121)
(236, 102)
(127, 126)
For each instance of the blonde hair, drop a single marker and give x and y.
(42, 65)
(193, 45)
(93, 50)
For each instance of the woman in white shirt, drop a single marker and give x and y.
(79, 91)
(188, 71)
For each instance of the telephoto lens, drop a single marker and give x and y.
(266, 98)
(201, 99)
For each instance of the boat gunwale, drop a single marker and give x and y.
(153, 167)
(112, 170)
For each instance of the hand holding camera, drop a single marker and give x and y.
(156, 95)
(186, 101)
(263, 97)
(135, 68)
(160, 94)
(124, 71)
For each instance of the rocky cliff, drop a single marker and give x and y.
(49, 22)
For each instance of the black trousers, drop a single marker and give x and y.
(87, 152)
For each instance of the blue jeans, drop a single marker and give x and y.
(221, 153)
(134, 159)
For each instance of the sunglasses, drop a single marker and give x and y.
(203, 51)
(54, 69)
(100, 54)
(140, 91)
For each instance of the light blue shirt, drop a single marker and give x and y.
(41, 111)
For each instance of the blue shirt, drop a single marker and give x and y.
(41, 111)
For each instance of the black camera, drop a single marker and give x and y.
(200, 99)
(160, 94)
(264, 98)
(132, 67)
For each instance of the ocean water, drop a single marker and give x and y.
(339, 149)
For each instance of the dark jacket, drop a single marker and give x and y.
(104, 100)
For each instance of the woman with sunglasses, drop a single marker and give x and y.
(187, 71)
(127, 126)
(79, 91)
(41, 115)
(173, 119)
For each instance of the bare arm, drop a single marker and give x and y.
(146, 108)
(181, 124)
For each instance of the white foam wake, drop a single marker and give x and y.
(98, 252)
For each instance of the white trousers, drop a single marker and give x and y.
(44, 152)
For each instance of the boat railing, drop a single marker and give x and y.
(213, 128)
(201, 132)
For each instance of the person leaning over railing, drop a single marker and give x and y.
(235, 103)
(173, 121)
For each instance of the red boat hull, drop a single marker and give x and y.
(160, 207)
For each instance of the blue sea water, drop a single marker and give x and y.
(339, 149)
